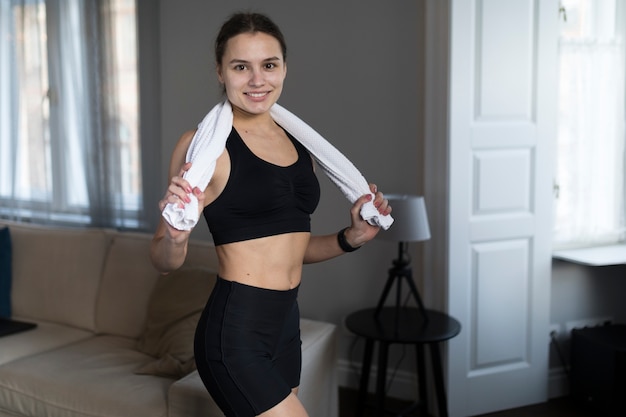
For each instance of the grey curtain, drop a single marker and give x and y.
(69, 137)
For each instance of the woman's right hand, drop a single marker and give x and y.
(178, 190)
(178, 193)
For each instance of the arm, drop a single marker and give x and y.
(169, 245)
(325, 247)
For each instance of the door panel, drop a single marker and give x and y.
(501, 127)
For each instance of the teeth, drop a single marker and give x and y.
(256, 94)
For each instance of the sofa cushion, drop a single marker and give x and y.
(173, 313)
(127, 283)
(90, 378)
(5, 272)
(46, 336)
(61, 283)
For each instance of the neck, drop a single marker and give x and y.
(249, 121)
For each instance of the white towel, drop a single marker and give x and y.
(209, 142)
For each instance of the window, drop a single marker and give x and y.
(69, 141)
(590, 174)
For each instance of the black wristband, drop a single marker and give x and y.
(343, 243)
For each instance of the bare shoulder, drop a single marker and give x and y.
(184, 141)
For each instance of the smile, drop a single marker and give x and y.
(257, 95)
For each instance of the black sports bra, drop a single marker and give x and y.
(262, 199)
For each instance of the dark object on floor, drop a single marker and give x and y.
(598, 376)
(8, 326)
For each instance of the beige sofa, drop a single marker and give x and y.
(93, 294)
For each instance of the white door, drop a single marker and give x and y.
(501, 131)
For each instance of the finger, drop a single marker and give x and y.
(184, 169)
(181, 183)
(200, 197)
(179, 192)
(356, 207)
(362, 200)
(172, 200)
(384, 208)
(169, 199)
(379, 199)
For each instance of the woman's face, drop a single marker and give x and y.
(252, 71)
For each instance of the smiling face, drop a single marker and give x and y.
(252, 70)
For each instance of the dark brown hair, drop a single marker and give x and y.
(242, 22)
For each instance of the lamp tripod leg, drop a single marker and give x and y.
(401, 269)
(416, 295)
(390, 280)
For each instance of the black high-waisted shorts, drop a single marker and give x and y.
(248, 347)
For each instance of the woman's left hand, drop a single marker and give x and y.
(360, 231)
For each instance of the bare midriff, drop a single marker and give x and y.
(272, 262)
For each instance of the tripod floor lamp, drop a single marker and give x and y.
(410, 225)
(420, 327)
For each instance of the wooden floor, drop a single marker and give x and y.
(559, 407)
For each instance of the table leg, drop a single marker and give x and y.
(381, 383)
(365, 376)
(421, 379)
(439, 385)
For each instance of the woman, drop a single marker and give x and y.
(257, 205)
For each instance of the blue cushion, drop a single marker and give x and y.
(5, 273)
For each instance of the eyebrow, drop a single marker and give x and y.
(243, 61)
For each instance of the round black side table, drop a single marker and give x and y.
(402, 325)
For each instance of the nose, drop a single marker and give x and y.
(256, 78)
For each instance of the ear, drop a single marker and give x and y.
(218, 70)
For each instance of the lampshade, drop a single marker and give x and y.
(410, 219)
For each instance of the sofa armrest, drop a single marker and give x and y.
(319, 390)
(188, 397)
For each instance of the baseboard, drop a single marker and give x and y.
(403, 386)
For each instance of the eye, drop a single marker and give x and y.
(270, 66)
(239, 67)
